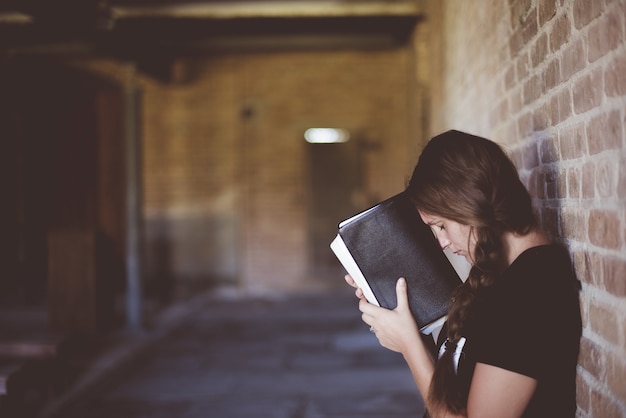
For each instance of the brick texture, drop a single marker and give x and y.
(562, 68)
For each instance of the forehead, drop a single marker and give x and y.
(429, 218)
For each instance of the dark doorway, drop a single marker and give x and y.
(335, 185)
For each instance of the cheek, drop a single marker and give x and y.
(471, 239)
(468, 237)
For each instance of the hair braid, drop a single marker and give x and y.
(469, 180)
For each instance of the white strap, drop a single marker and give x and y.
(458, 350)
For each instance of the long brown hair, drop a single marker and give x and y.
(469, 180)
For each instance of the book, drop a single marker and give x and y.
(388, 241)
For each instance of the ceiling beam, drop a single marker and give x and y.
(269, 9)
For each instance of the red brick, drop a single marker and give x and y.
(581, 262)
(573, 182)
(560, 106)
(595, 263)
(565, 104)
(589, 180)
(546, 10)
(548, 178)
(585, 11)
(554, 110)
(573, 224)
(591, 358)
(530, 156)
(516, 42)
(604, 322)
(550, 222)
(613, 272)
(533, 87)
(614, 80)
(604, 132)
(604, 36)
(520, 10)
(540, 185)
(583, 395)
(606, 178)
(562, 183)
(522, 66)
(552, 74)
(541, 117)
(548, 151)
(621, 179)
(539, 50)
(603, 406)
(529, 27)
(573, 59)
(560, 34)
(604, 229)
(616, 370)
(587, 92)
(573, 141)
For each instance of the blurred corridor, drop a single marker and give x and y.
(284, 357)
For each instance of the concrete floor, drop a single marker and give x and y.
(285, 357)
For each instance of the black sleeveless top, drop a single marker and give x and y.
(529, 322)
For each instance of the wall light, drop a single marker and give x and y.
(326, 135)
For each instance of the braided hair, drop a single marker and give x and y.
(469, 180)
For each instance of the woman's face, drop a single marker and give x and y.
(451, 234)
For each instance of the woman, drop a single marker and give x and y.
(513, 330)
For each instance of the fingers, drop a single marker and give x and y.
(368, 311)
(350, 280)
(401, 294)
(358, 292)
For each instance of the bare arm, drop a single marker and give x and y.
(497, 392)
(396, 330)
(494, 392)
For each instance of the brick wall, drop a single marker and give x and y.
(547, 79)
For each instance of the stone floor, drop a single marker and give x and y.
(232, 357)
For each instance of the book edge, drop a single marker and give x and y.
(357, 216)
(345, 258)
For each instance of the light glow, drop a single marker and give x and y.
(326, 135)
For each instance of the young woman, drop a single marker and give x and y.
(510, 344)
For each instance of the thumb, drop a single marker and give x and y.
(401, 294)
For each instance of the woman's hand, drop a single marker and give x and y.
(358, 292)
(395, 329)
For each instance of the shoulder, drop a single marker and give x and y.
(555, 253)
(532, 302)
(544, 266)
(535, 295)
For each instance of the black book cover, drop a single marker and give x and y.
(389, 241)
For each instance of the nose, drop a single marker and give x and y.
(444, 242)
